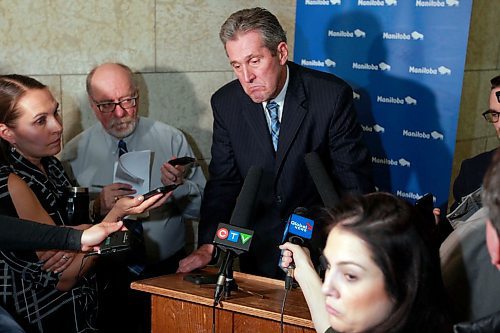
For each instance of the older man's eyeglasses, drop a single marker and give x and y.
(491, 116)
(108, 107)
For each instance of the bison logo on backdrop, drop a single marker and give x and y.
(417, 35)
(404, 162)
(359, 33)
(378, 128)
(444, 70)
(330, 63)
(410, 100)
(436, 135)
(385, 67)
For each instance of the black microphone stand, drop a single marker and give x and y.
(225, 281)
(230, 281)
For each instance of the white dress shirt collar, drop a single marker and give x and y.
(280, 99)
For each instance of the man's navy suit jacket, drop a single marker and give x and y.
(318, 116)
(470, 177)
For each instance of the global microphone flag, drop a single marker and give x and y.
(299, 226)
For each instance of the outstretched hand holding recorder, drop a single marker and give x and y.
(161, 189)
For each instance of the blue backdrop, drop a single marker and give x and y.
(405, 62)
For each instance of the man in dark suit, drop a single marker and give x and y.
(472, 170)
(270, 117)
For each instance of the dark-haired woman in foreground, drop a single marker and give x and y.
(381, 276)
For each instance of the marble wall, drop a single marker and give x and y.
(174, 47)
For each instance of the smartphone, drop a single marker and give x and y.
(161, 189)
(426, 203)
(425, 207)
(201, 278)
(116, 242)
(182, 161)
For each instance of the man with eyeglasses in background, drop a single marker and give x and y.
(471, 282)
(472, 170)
(467, 185)
(114, 96)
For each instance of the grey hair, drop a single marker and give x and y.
(88, 83)
(251, 19)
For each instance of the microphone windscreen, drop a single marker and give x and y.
(322, 180)
(245, 202)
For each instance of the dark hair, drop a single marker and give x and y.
(88, 82)
(12, 88)
(260, 19)
(390, 227)
(495, 82)
(491, 191)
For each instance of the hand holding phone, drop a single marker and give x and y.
(425, 209)
(182, 161)
(161, 189)
(426, 205)
(116, 242)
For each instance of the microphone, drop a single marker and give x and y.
(298, 230)
(321, 180)
(245, 203)
(235, 238)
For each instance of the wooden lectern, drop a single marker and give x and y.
(181, 306)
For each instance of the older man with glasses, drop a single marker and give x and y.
(114, 98)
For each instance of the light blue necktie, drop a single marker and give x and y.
(272, 108)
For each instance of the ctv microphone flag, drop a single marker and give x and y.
(233, 238)
(234, 241)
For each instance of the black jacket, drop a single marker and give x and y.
(319, 117)
(470, 177)
(490, 324)
(26, 235)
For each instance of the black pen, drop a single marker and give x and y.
(121, 188)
